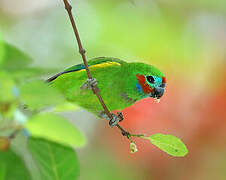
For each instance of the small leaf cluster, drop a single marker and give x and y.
(33, 133)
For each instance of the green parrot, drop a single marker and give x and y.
(121, 84)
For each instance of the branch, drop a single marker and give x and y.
(95, 89)
(14, 133)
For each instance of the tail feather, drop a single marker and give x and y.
(54, 77)
(57, 75)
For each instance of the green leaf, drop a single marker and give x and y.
(1, 51)
(55, 128)
(18, 63)
(7, 88)
(54, 161)
(12, 167)
(67, 106)
(8, 95)
(169, 144)
(37, 94)
(14, 58)
(30, 72)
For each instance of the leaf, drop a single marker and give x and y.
(14, 58)
(37, 94)
(54, 161)
(8, 95)
(1, 51)
(12, 167)
(7, 88)
(19, 146)
(18, 63)
(169, 144)
(67, 106)
(55, 128)
(30, 72)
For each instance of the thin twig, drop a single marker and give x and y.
(82, 51)
(95, 89)
(14, 133)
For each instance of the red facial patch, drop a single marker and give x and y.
(142, 81)
(163, 79)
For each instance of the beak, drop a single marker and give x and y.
(157, 93)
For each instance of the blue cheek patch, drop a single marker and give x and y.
(139, 88)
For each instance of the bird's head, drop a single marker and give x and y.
(151, 85)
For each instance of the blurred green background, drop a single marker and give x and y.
(185, 39)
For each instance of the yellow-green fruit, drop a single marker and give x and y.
(4, 143)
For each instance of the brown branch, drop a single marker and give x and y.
(95, 89)
(14, 133)
(82, 51)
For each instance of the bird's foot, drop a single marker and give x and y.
(115, 118)
(89, 84)
(120, 116)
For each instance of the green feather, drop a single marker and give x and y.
(116, 81)
(94, 61)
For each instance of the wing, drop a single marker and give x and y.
(93, 64)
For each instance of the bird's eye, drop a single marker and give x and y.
(150, 79)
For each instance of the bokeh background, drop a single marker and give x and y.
(185, 39)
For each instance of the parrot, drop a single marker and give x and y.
(121, 84)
